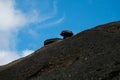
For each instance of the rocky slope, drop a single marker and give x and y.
(93, 54)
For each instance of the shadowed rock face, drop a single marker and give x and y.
(90, 55)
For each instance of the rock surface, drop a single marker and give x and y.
(93, 54)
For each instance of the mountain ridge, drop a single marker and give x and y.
(92, 54)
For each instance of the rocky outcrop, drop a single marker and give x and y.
(93, 54)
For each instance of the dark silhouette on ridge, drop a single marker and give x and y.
(52, 40)
(66, 34)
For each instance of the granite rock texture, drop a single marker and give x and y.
(92, 54)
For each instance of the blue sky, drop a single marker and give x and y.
(78, 15)
(24, 25)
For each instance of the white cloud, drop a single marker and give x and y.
(12, 20)
(27, 52)
(7, 56)
(7, 40)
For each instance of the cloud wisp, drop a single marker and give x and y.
(52, 15)
(55, 22)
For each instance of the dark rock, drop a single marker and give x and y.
(93, 54)
(66, 34)
(52, 40)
